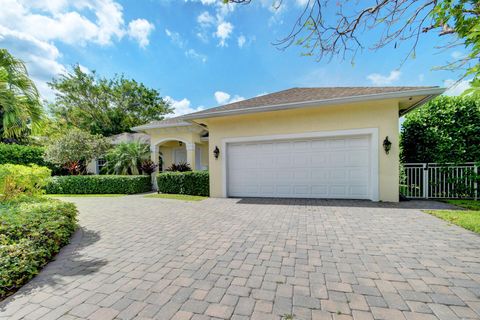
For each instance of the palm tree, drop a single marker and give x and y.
(20, 107)
(126, 157)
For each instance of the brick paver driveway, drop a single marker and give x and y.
(135, 257)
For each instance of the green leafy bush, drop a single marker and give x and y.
(106, 184)
(195, 183)
(17, 180)
(31, 233)
(19, 154)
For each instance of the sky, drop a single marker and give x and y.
(200, 53)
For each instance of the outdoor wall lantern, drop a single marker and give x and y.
(180, 143)
(387, 145)
(216, 152)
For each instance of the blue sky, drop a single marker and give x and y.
(197, 53)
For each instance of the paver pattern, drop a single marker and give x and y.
(143, 258)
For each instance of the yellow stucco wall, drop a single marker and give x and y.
(168, 139)
(375, 114)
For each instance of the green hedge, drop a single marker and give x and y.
(102, 184)
(19, 154)
(31, 233)
(195, 183)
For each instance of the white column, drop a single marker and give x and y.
(154, 149)
(191, 155)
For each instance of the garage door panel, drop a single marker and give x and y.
(304, 168)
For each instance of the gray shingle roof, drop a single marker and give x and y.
(304, 94)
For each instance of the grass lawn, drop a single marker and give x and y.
(468, 219)
(86, 195)
(176, 197)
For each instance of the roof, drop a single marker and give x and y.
(304, 97)
(165, 123)
(301, 97)
(129, 137)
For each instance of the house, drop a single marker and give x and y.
(95, 166)
(331, 142)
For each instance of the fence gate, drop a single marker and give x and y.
(436, 181)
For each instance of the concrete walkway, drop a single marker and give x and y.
(136, 257)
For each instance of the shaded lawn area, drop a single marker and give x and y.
(468, 219)
(106, 195)
(183, 197)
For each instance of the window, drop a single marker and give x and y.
(100, 164)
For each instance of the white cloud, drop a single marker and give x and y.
(241, 41)
(225, 98)
(457, 55)
(381, 80)
(176, 38)
(221, 28)
(221, 97)
(223, 32)
(205, 19)
(40, 57)
(140, 30)
(31, 30)
(456, 88)
(191, 53)
(181, 106)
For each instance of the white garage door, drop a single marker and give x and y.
(304, 168)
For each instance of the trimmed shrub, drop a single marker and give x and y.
(20, 154)
(194, 183)
(17, 180)
(31, 233)
(103, 184)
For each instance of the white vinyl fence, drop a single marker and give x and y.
(436, 181)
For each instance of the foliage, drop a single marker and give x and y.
(20, 154)
(126, 158)
(469, 220)
(447, 129)
(466, 204)
(76, 148)
(183, 197)
(179, 167)
(31, 233)
(102, 184)
(105, 106)
(195, 183)
(148, 167)
(327, 28)
(20, 108)
(17, 180)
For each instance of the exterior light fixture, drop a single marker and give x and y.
(216, 152)
(180, 143)
(387, 145)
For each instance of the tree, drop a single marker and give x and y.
(327, 28)
(105, 106)
(20, 108)
(127, 158)
(75, 149)
(447, 129)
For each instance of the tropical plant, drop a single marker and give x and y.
(447, 129)
(148, 167)
(75, 149)
(179, 167)
(20, 108)
(104, 106)
(126, 158)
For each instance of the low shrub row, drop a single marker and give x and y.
(195, 183)
(31, 233)
(17, 180)
(20, 154)
(106, 184)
